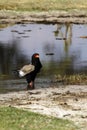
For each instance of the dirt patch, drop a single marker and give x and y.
(9, 17)
(68, 102)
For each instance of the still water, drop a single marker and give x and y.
(62, 48)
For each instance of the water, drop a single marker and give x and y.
(62, 48)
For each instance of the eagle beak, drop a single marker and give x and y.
(36, 56)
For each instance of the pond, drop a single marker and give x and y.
(62, 48)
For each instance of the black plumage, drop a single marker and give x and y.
(32, 75)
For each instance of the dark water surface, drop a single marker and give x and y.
(62, 48)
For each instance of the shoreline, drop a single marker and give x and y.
(60, 17)
(61, 101)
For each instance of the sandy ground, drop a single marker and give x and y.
(13, 17)
(68, 102)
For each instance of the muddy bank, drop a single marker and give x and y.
(67, 102)
(77, 17)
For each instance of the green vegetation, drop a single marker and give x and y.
(43, 5)
(15, 119)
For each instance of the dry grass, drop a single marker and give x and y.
(43, 5)
(72, 79)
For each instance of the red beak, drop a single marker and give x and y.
(36, 56)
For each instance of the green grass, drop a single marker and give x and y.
(43, 5)
(16, 119)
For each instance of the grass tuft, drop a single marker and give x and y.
(77, 79)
